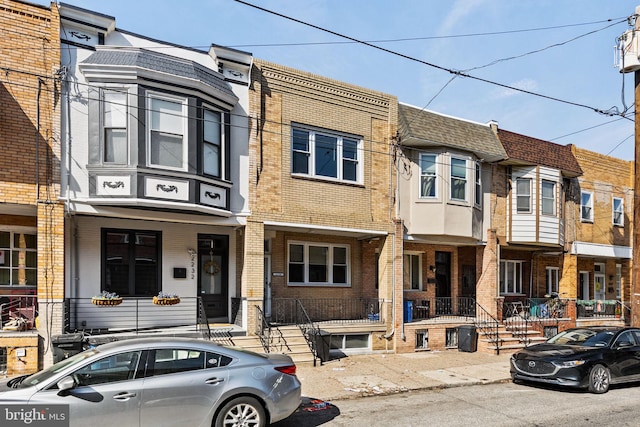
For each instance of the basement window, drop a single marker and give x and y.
(422, 339)
(451, 338)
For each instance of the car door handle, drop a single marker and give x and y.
(214, 381)
(124, 396)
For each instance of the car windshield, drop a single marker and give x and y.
(45, 374)
(584, 337)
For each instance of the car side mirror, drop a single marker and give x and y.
(66, 383)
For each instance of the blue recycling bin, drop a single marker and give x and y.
(408, 312)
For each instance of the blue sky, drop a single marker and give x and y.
(562, 49)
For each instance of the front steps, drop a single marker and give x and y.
(291, 342)
(512, 337)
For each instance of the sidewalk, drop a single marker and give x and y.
(377, 374)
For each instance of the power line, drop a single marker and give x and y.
(439, 67)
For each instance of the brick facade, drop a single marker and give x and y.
(29, 166)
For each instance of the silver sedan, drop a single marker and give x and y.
(160, 382)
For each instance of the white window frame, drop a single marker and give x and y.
(7, 258)
(553, 280)
(424, 176)
(464, 179)
(330, 264)
(341, 157)
(520, 196)
(110, 112)
(409, 282)
(617, 213)
(552, 199)
(478, 185)
(586, 210)
(516, 272)
(151, 96)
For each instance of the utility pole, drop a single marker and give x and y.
(635, 285)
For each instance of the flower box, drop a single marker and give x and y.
(166, 301)
(106, 301)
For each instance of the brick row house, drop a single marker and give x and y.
(269, 198)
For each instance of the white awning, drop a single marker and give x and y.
(603, 251)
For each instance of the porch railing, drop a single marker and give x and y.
(134, 314)
(271, 338)
(286, 311)
(441, 308)
(488, 325)
(18, 312)
(601, 309)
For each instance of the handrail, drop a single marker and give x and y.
(310, 331)
(202, 319)
(489, 325)
(262, 326)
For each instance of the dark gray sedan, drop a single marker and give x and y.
(162, 382)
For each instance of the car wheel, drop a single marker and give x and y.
(599, 379)
(242, 412)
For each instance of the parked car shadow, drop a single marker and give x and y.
(312, 412)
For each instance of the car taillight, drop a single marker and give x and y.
(289, 369)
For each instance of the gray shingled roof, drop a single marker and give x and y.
(155, 61)
(425, 129)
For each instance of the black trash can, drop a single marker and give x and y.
(67, 345)
(322, 342)
(467, 338)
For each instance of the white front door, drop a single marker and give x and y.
(584, 285)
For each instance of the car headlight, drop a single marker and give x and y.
(569, 363)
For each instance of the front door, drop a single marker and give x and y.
(213, 286)
(443, 283)
(599, 287)
(267, 286)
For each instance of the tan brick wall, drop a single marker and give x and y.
(30, 142)
(22, 353)
(279, 97)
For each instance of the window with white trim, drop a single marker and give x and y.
(618, 211)
(428, 175)
(318, 264)
(523, 195)
(478, 186)
(548, 197)
(18, 258)
(458, 179)
(212, 143)
(552, 280)
(586, 206)
(114, 127)
(412, 271)
(326, 155)
(166, 130)
(511, 277)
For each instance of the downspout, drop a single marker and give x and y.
(38, 140)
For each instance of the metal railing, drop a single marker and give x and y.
(488, 325)
(601, 309)
(271, 337)
(134, 314)
(19, 312)
(442, 308)
(286, 311)
(310, 331)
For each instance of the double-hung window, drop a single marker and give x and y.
(318, 264)
(166, 143)
(511, 277)
(114, 125)
(212, 144)
(618, 211)
(523, 195)
(458, 179)
(18, 258)
(548, 197)
(326, 155)
(412, 271)
(428, 174)
(478, 186)
(131, 262)
(586, 206)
